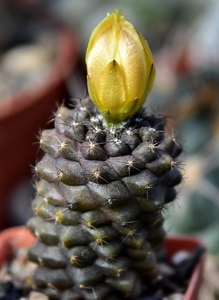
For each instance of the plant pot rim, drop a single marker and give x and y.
(15, 237)
(188, 243)
(61, 66)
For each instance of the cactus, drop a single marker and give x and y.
(99, 205)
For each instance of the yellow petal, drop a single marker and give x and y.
(112, 89)
(92, 91)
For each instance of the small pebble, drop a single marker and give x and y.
(25, 59)
(155, 297)
(20, 266)
(180, 257)
(165, 269)
(37, 296)
(175, 297)
(4, 276)
(23, 66)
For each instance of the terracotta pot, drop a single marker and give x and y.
(13, 238)
(173, 245)
(24, 113)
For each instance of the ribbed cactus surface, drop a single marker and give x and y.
(99, 202)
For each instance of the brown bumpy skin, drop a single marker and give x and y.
(99, 202)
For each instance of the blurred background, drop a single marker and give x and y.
(42, 48)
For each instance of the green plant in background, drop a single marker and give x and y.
(105, 179)
(197, 114)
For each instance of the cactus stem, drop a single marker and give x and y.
(100, 196)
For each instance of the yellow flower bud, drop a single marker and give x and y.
(120, 68)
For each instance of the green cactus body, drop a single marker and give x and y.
(99, 204)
